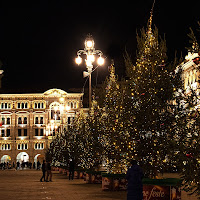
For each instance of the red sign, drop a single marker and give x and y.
(156, 192)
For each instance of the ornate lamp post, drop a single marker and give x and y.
(90, 53)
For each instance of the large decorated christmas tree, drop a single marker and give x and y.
(150, 91)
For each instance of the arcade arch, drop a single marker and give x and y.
(23, 156)
(5, 158)
(39, 157)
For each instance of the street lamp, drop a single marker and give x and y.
(90, 53)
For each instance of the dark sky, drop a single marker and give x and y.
(39, 39)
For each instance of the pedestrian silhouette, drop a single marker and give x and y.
(49, 173)
(43, 170)
(134, 177)
(71, 169)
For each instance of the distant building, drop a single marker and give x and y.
(190, 73)
(28, 122)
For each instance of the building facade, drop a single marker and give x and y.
(29, 122)
(190, 75)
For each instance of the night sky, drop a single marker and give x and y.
(39, 40)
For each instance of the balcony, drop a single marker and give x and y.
(39, 137)
(5, 138)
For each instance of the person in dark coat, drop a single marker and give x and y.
(71, 169)
(49, 173)
(134, 176)
(43, 170)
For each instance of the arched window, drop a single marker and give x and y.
(25, 120)
(8, 120)
(41, 120)
(36, 120)
(19, 120)
(26, 105)
(72, 105)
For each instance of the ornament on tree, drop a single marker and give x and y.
(196, 60)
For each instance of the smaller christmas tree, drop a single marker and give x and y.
(115, 136)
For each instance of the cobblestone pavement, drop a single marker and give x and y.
(25, 185)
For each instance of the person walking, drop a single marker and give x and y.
(43, 170)
(134, 176)
(71, 169)
(49, 173)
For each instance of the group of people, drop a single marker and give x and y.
(20, 165)
(46, 171)
(5, 165)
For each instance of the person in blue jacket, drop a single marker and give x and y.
(134, 176)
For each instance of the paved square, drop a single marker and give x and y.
(25, 185)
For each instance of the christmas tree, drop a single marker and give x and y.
(187, 128)
(57, 151)
(115, 136)
(150, 92)
(75, 138)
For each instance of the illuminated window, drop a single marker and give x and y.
(5, 105)
(39, 105)
(5, 147)
(39, 145)
(22, 146)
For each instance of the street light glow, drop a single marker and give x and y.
(100, 61)
(90, 53)
(91, 58)
(78, 60)
(89, 44)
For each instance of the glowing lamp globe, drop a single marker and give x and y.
(78, 60)
(90, 58)
(89, 44)
(100, 61)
